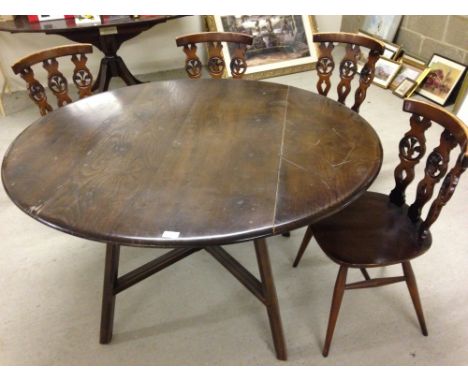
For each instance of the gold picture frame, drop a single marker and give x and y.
(420, 80)
(405, 88)
(411, 68)
(270, 61)
(413, 60)
(385, 72)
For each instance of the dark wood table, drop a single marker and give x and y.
(191, 165)
(107, 37)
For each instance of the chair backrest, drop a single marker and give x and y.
(216, 63)
(56, 81)
(348, 65)
(412, 148)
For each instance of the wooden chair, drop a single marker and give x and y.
(348, 69)
(216, 64)
(379, 230)
(57, 83)
(348, 66)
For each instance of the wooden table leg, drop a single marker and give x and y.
(113, 67)
(124, 73)
(305, 242)
(111, 271)
(271, 300)
(264, 290)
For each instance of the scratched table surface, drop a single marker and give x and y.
(211, 162)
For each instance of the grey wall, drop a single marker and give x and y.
(425, 35)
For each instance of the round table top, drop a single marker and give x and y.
(191, 163)
(21, 24)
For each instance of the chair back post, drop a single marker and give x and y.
(412, 148)
(57, 83)
(216, 63)
(348, 66)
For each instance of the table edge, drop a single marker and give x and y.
(238, 237)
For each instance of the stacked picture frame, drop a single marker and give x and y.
(437, 80)
(283, 45)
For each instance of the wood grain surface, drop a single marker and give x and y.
(216, 161)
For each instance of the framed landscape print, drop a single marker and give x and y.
(281, 44)
(384, 26)
(385, 71)
(444, 75)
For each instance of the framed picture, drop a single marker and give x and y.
(461, 104)
(405, 88)
(412, 60)
(410, 69)
(444, 75)
(392, 51)
(281, 44)
(384, 26)
(385, 71)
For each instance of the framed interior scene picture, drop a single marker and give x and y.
(405, 88)
(444, 75)
(411, 69)
(385, 71)
(384, 26)
(281, 44)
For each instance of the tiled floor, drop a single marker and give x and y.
(195, 313)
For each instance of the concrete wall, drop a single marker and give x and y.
(152, 51)
(445, 35)
(425, 35)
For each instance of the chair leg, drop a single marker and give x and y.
(335, 307)
(365, 274)
(305, 242)
(413, 290)
(108, 295)
(271, 300)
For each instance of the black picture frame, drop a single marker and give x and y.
(435, 78)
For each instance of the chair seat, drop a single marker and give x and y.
(370, 232)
